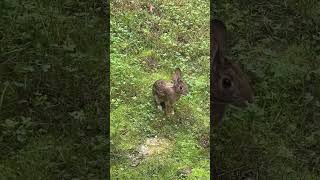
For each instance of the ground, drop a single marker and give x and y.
(147, 46)
(278, 45)
(53, 90)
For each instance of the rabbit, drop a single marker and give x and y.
(167, 93)
(230, 85)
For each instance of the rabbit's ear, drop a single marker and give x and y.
(177, 75)
(219, 40)
(214, 50)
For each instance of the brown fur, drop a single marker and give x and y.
(167, 93)
(239, 92)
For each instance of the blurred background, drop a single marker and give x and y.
(53, 90)
(278, 45)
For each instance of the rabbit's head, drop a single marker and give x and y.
(230, 83)
(180, 86)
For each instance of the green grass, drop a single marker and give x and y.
(52, 89)
(277, 42)
(144, 48)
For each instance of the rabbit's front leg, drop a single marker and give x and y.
(168, 108)
(172, 109)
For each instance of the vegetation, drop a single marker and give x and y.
(52, 90)
(147, 45)
(278, 43)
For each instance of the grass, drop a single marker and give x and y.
(278, 44)
(146, 47)
(52, 87)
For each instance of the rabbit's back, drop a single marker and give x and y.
(163, 88)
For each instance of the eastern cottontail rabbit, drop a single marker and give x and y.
(167, 93)
(230, 83)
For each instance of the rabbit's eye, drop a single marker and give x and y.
(180, 87)
(226, 83)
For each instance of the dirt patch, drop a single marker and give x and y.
(151, 147)
(150, 63)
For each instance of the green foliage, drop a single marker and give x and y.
(277, 42)
(146, 47)
(52, 90)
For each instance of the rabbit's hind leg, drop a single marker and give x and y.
(168, 108)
